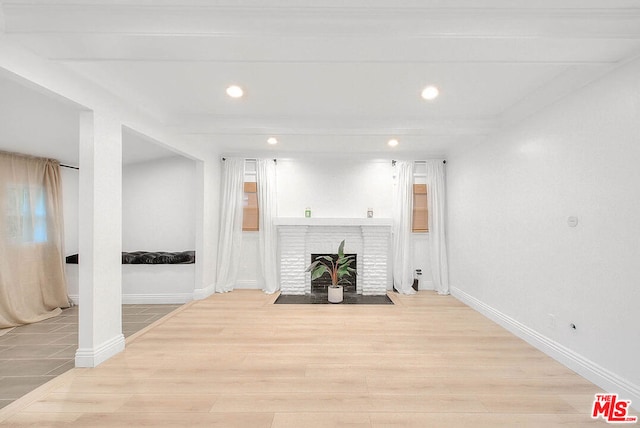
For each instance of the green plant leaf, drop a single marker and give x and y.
(346, 260)
(319, 271)
(343, 280)
(312, 266)
(342, 270)
(337, 270)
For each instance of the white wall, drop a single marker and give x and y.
(69, 183)
(70, 192)
(332, 188)
(512, 253)
(159, 214)
(158, 211)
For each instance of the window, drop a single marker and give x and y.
(26, 214)
(250, 207)
(420, 211)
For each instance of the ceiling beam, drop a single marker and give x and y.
(279, 49)
(340, 22)
(364, 126)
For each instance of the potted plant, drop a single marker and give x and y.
(339, 270)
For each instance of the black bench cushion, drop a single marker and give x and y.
(150, 258)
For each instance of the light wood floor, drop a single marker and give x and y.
(236, 360)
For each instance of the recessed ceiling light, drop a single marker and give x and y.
(392, 142)
(235, 91)
(430, 93)
(272, 140)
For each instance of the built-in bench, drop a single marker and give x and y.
(150, 258)
(148, 276)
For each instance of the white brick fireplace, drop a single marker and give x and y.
(368, 238)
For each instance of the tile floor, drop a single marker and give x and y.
(31, 355)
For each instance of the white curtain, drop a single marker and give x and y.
(437, 237)
(266, 182)
(402, 243)
(32, 274)
(230, 241)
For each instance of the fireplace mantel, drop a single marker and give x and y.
(325, 221)
(367, 237)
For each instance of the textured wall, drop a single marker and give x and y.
(511, 246)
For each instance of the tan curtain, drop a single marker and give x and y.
(32, 277)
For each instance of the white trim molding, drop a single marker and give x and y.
(586, 368)
(92, 357)
(203, 293)
(156, 299)
(147, 299)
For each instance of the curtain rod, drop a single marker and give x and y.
(69, 166)
(252, 159)
(393, 162)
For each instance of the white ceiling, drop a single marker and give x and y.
(39, 123)
(325, 77)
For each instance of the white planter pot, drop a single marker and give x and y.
(335, 294)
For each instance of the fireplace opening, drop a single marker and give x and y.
(321, 283)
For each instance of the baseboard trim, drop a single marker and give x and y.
(148, 299)
(203, 293)
(169, 298)
(92, 357)
(591, 371)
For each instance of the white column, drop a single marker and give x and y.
(207, 225)
(375, 260)
(293, 279)
(100, 240)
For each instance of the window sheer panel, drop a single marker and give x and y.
(230, 235)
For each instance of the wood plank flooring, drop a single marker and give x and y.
(236, 360)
